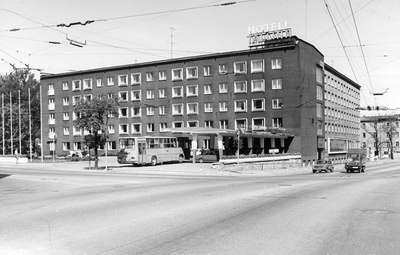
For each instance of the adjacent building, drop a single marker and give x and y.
(279, 97)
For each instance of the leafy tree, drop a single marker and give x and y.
(389, 129)
(20, 80)
(93, 116)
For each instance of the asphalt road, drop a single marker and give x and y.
(81, 212)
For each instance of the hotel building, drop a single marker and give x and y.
(281, 96)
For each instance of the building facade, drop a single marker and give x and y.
(374, 134)
(260, 91)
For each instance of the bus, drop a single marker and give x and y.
(149, 150)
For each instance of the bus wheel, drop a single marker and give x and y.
(180, 158)
(153, 161)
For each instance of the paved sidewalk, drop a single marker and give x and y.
(186, 168)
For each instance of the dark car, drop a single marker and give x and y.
(206, 156)
(323, 165)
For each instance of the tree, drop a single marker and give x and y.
(20, 81)
(373, 130)
(93, 116)
(390, 130)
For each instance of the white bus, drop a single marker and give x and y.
(149, 150)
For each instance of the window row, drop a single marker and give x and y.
(136, 128)
(177, 74)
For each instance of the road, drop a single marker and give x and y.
(81, 212)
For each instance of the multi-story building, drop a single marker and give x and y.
(342, 117)
(374, 134)
(282, 96)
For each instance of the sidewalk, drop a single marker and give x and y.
(186, 168)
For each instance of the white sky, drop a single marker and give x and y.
(200, 31)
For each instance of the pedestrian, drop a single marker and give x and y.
(16, 155)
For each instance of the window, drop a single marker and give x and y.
(76, 131)
(136, 128)
(319, 74)
(66, 131)
(177, 124)
(135, 111)
(87, 84)
(192, 108)
(319, 110)
(51, 105)
(136, 78)
(223, 124)
(99, 82)
(319, 93)
(110, 81)
(223, 87)
(223, 106)
(163, 126)
(66, 146)
(123, 80)
(259, 124)
(177, 109)
(240, 67)
(150, 127)
(111, 145)
(123, 96)
(208, 107)
(191, 73)
(123, 112)
(150, 110)
(52, 132)
(65, 86)
(50, 91)
(277, 103)
(208, 124)
(162, 75)
(135, 95)
(123, 128)
(87, 97)
(241, 123)
(111, 129)
(76, 85)
(276, 83)
(52, 119)
(66, 116)
(177, 92)
(207, 89)
(276, 63)
(193, 123)
(257, 66)
(258, 104)
(110, 95)
(257, 85)
(149, 76)
(277, 122)
(177, 74)
(191, 90)
(207, 71)
(162, 110)
(65, 101)
(240, 105)
(75, 99)
(240, 86)
(77, 146)
(150, 94)
(223, 69)
(75, 115)
(162, 93)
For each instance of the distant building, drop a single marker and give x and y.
(372, 125)
(282, 96)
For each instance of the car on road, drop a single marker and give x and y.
(323, 165)
(206, 156)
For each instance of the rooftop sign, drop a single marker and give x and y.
(270, 35)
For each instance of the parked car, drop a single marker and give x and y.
(206, 156)
(323, 165)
